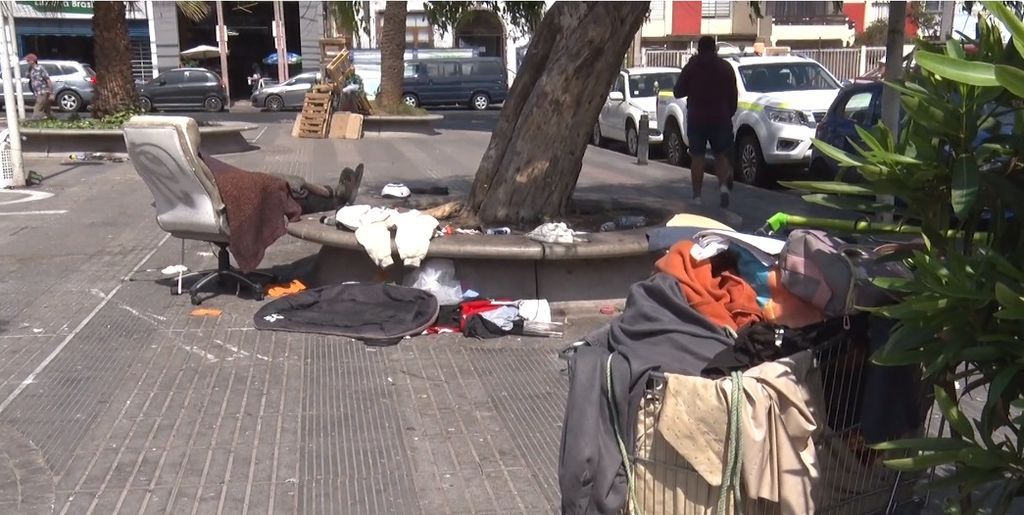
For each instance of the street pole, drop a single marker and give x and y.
(281, 42)
(13, 123)
(18, 88)
(946, 25)
(222, 45)
(154, 56)
(893, 72)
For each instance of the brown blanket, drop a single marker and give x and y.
(257, 206)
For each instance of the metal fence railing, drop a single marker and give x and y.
(844, 63)
(677, 58)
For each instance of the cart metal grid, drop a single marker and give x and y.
(853, 480)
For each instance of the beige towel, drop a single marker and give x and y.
(780, 415)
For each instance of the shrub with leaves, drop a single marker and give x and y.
(957, 166)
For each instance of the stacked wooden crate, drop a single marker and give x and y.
(315, 119)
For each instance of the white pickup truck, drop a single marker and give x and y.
(781, 101)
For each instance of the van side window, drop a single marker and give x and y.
(489, 68)
(410, 70)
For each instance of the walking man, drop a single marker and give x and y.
(710, 85)
(41, 85)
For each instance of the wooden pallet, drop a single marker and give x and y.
(315, 119)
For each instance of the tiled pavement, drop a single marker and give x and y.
(114, 399)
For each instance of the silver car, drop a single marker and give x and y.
(73, 84)
(287, 95)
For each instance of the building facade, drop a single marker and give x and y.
(796, 24)
(63, 30)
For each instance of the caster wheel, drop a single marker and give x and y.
(196, 300)
(259, 296)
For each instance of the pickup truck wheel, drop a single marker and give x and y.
(675, 149)
(750, 165)
(596, 138)
(632, 140)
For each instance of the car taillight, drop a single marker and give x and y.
(91, 80)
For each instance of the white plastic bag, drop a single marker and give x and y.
(437, 276)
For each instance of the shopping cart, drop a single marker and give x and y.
(852, 478)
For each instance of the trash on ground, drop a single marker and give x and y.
(437, 277)
(621, 223)
(499, 231)
(395, 190)
(206, 312)
(554, 232)
(280, 290)
(372, 225)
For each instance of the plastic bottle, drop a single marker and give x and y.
(499, 231)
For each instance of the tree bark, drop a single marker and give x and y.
(392, 54)
(115, 87)
(535, 155)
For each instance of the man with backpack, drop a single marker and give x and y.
(41, 85)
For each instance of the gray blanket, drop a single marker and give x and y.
(658, 331)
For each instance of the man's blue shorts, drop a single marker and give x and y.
(718, 135)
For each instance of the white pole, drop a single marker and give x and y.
(862, 65)
(222, 45)
(18, 88)
(153, 55)
(12, 111)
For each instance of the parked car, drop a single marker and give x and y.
(184, 88)
(288, 95)
(781, 101)
(475, 82)
(860, 104)
(634, 94)
(73, 84)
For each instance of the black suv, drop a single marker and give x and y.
(184, 88)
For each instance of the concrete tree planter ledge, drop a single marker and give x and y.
(218, 138)
(513, 266)
(400, 126)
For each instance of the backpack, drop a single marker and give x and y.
(835, 276)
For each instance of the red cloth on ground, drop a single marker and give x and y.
(257, 206)
(725, 299)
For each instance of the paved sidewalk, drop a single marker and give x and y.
(114, 399)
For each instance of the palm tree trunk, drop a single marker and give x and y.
(533, 161)
(392, 54)
(115, 88)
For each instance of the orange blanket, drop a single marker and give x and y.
(726, 299)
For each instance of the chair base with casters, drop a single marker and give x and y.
(224, 270)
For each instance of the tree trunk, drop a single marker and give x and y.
(392, 54)
(115, 87)
(896, 37)
(533, 161)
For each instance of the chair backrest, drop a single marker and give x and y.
(165, 152)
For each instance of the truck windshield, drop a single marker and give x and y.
(648, 84)
(770, 78)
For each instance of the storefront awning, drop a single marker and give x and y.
(67, 27)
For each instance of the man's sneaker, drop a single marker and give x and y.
(723, 199)
(697, 201)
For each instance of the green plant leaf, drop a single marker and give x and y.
(1010, 78)
(1007, 297)
(974, 73)
(840, 156)
(976, 457)
(930, 117)
(1010, 21)
(922, 444)
(955, 49)
(836, 188)
(880, 152)
(848, 203)
(957, 421)
(922, 461)
(982, 353)
(964, 188)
